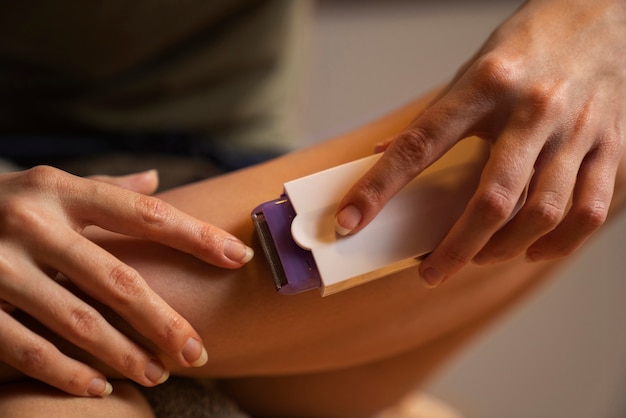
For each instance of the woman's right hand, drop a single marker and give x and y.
(43, 212)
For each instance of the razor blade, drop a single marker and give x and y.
(293, 268)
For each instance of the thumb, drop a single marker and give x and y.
(145, 182)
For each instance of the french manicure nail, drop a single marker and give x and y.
(346, 220)
(432, 277)
(195, 353)
(99, 387)
(156, 373)
(237, 251)
(150, 172)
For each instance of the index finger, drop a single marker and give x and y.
(126, 212)
(433, 133)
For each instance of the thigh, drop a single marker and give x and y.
(36, 400)
(361, 391)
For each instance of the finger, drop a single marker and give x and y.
(80, 324)
(38, 358)
(590, 206)
(382, 145)
(553, 182)
(146, 182)
(504, 179)
(7, 307)
(122, 289)
(137, 215)
(410, 152)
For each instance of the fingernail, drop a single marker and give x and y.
(347, 220)
(382, 145)
(533, 256)
(238, 251)
(195, 353)
(156, 373)
(432, 277)
(150, 172)
(99, 387)
(480, 258)
(379, 147)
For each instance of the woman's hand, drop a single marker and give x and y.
(548, 92)
(42, 214)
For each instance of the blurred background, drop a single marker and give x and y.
(560, 354)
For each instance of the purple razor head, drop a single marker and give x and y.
(293, 267)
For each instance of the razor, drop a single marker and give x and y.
(298, 236)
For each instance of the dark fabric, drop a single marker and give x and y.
(86, 155)
(192, 67)
(187, 398)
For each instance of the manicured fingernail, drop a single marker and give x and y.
(346, 220)
(238, 251)
(99, 387)
(150, 172)
(432, 277)
(195, 353)
(156, 373)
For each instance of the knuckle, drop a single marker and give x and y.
(544, 98)
(494, 205)
(21, 211)
(41, 177)
(152, 211)
(173, 327)
(371, 190)
(32, 359)
(413, 146)
(546, 215)
(496, 73)
(207, 238)
(125, 283)
(455, 258)
(83, 325)
(129, 365)
(592, 216)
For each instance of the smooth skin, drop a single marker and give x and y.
(360, 350)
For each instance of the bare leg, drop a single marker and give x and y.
(36, 400)
(388, 334)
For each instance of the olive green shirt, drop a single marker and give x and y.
(217, 67)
